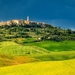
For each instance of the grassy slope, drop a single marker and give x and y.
(12, 53)
(31, 53)
(12, 48)
(7, 60)
(56, 46)
(41, 68)
(52, 56)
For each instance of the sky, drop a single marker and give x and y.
(59, 13)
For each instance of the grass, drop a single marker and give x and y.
(14, 53)
(29, 39)
(12, 48)
(56, 56)
(36, 51)
(8, 60)
(41, 68)
(56, 46)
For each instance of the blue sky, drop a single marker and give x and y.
(56, 12)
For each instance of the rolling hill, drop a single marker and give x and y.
(36, 49)
(38, 31)
(12, 53)
(41, 68)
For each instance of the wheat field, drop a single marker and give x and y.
(66, 67)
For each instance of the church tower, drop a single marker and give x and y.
(27, 21)
(27, 18)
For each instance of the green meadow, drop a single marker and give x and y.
(55, 46)
(12, 48)
(38, 58)
(42, 51)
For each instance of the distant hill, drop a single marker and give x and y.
(29, 29)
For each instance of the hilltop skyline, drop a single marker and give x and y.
(27, 21)
(55, 12)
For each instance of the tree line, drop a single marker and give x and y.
(43, 31)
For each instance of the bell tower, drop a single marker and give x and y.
(27, 18)
(27, 21)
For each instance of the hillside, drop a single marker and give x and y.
(34, 42)
(37, 31)
(41, 68)
(12, 53)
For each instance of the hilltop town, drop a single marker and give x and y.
(20, 22)
(31, 29)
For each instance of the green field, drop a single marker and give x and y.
(40, 51)
(41, 68)
(38, 58)
(49, 48)
(56, 46)
(13, 48)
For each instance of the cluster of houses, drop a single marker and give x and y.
(20, 22)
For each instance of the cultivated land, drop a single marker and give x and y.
(66, 67)
(36, 49)
(55, 46)
(12, 53)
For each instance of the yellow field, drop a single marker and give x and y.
(66, 67)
